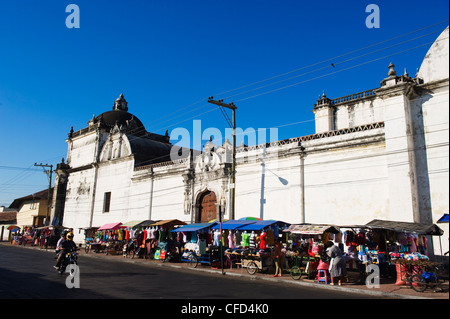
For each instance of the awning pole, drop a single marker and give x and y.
(220, 242)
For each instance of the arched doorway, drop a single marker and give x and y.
(207, 209)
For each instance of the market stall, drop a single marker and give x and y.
(161, 239)
(109, 238)
(305, 248)
(48, 236)
(14, 233)
(262, 235)
(229, 236)
(402, 242)
(196, 246)
(135, 237)
(90, 239)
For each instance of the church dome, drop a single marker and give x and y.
(120, 116)
(435, 64)
(110, 118)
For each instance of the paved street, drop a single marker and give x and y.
(28, 273)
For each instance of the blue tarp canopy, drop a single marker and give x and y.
(443, 219)
(234, 224)
(194, 227)
(260, 224)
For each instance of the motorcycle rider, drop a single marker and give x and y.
(66, 246)
(58, 249)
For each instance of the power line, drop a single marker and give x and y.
(335, 72)
(333, 58)
(334, 65)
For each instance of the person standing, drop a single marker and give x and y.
(277, 257)
(337, 263)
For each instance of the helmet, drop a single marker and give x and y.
(70, 236)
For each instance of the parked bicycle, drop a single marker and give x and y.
(431, 277)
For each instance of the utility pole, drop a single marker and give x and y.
(49, 172)
(233, 167)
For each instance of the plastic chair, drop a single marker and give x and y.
(323, 276)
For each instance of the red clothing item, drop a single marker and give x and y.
(262, 243)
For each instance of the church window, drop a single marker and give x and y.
(106, 202)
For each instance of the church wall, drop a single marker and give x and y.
(82, 150)
(78, 201)
(400, 157)
(269, 189)
(114, 177)
(346, 185)
(140, 191)
(436, 122)
(168, 198)
(358, 113)
(435, 111)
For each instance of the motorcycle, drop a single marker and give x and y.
(70, 257)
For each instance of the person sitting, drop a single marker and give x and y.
(66, 246)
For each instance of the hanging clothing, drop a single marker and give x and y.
(223, 238)
(237, 238)
(275, 232)
(202, 246)
(216, 238)
(245, 240)
(262, 242)
(209, 238)
(230, 240)
(270, 240)
(145, 235)
(252, 240)
(325, 237)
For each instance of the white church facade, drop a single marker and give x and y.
(378, 154)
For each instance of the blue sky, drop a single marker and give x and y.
(167, 55)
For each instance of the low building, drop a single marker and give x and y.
(8, 217)
(32, 209)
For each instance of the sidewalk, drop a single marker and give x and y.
(387, 288)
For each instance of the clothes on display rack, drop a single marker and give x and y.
(230, 240)
(252, 240)
(216, 238)
(262, 242)
(245, 239)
